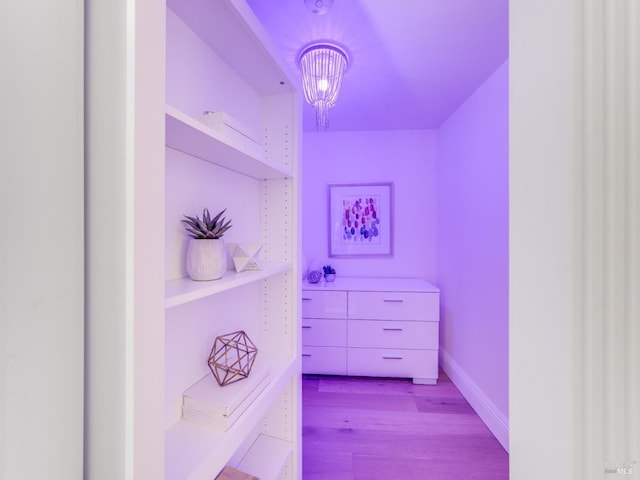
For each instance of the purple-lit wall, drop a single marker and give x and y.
(473, 257)
(451, 228)
(406, 158)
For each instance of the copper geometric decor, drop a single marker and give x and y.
(232, 357)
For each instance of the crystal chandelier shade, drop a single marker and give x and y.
(323, 66)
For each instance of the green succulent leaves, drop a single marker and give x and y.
(207, 227)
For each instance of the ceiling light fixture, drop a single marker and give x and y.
(322, 65)
(319, 7)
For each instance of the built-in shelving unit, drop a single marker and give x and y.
(220, 59)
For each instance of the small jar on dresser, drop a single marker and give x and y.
(380, 327)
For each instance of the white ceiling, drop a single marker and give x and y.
(413, 62)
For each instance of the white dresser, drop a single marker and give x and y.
(382, 327)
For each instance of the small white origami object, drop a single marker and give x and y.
(244, 255)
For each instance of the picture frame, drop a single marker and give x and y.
(361, 220)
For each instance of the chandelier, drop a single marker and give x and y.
(322, 65)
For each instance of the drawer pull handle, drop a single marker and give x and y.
(393, 300)
(306, 298)
(306, 326)
(392, 329)
(306, 354)
(391, 358)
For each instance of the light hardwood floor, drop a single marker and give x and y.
(370, 428)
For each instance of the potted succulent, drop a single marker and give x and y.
(206, 254)
(329, 273)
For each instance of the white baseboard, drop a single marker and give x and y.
(493, 418)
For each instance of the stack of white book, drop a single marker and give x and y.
(211, 405)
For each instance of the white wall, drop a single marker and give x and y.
(473, 249)
(406, 158)
(41, 245)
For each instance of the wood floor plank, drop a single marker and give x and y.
(477, 449)
(310, 383)
(368, 428)
(383, 402)
(443, 405)
(384, 420)
(391, 386)
(327, 462)
(368, 467)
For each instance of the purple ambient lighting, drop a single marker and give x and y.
(323, 66)
(415, 63)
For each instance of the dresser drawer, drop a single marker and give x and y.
(324, 360)
(327, 304)
(382, 362)
(321, 331)
(394, 306)
(393, 334)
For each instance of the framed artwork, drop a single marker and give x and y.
(360, 219)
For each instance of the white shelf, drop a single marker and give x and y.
(190, 136)
(266, 458)
(194, 452)
(185, 290)
(222, 24)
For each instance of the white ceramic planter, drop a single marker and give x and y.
(206, 259)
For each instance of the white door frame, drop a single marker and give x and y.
(574, 220)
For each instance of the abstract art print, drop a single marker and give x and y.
(360, 219)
